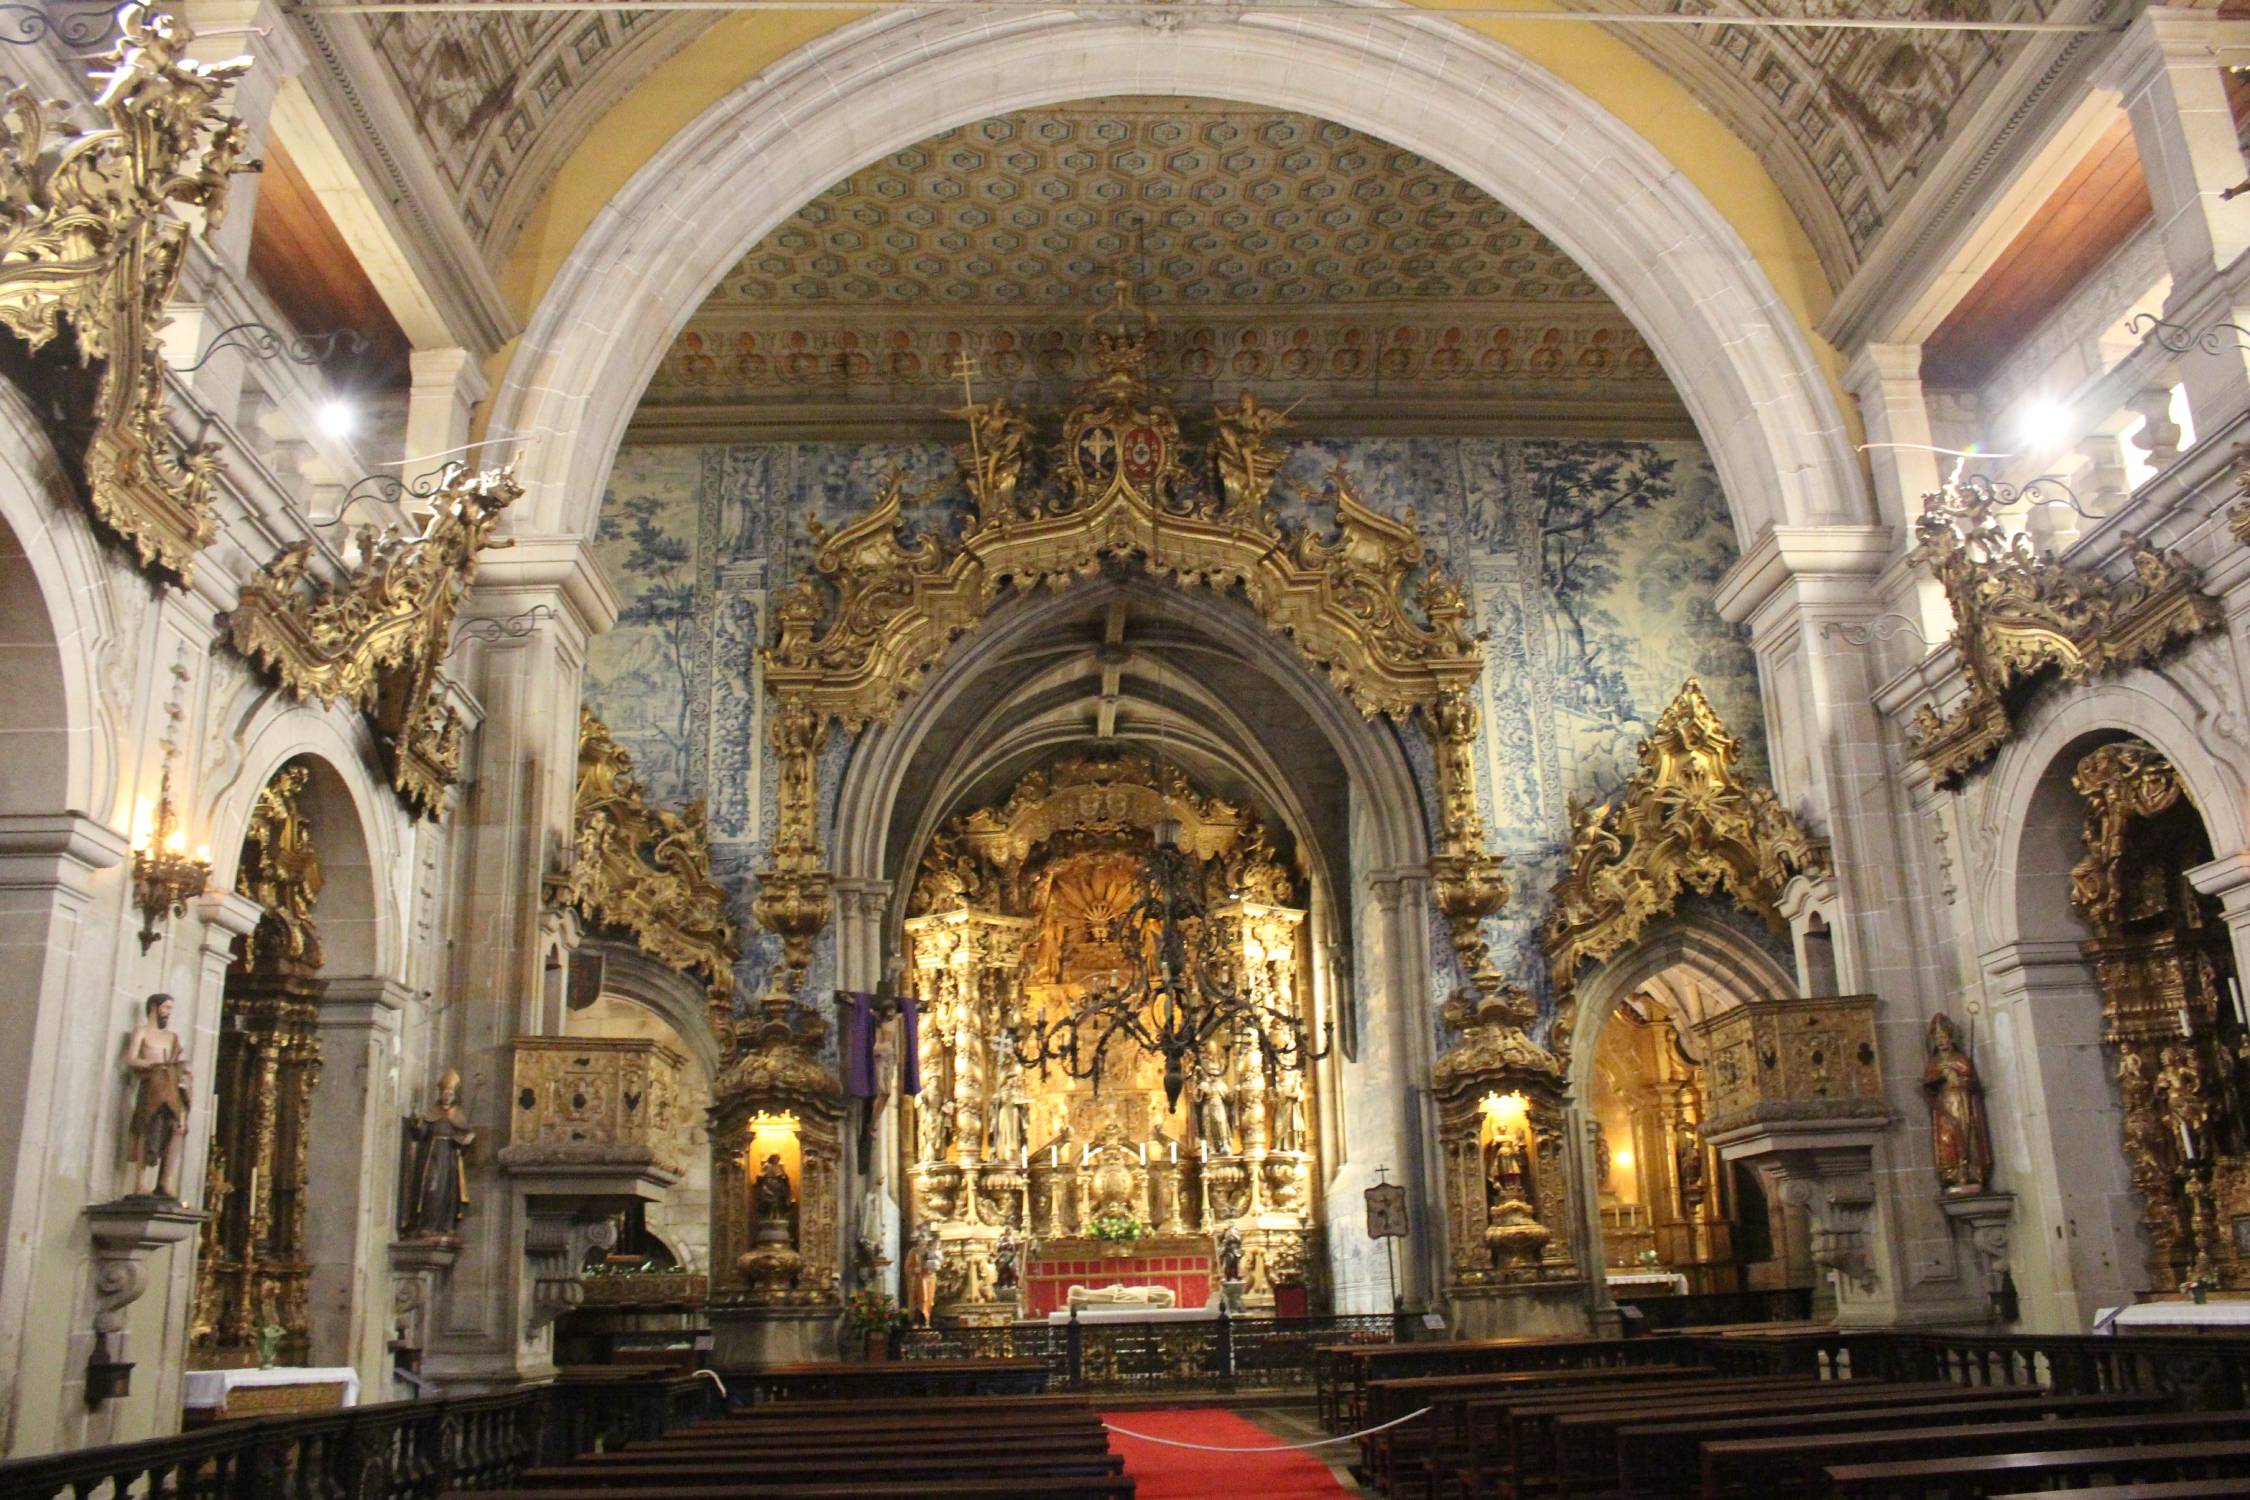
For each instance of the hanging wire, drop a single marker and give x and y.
(258, 340)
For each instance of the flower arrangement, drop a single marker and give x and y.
(1116, 1228)
(870, 1311)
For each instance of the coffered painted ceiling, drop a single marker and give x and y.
(1846, 121)
(1276, 250)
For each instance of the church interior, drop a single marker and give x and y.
(1085, 748)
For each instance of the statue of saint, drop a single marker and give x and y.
(1506, 1171)
(442, 1139)
(1687, 1159)
(2179, 1085)
(1214, 1119)
(1005, 1255)
(775, 1203)
(1958, 1138)
(934, 1121)
(160, 1097)
(1011, 1111)
(1289, 1110)
(1230, 1254)
(924, 1259)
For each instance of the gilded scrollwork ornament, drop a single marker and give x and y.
(1686, 820)
(1363, 601)
(92, 245)
(2019, 614)
(379, 639)
(645, 871)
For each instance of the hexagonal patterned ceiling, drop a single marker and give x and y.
(1277, 249)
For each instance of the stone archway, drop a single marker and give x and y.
(1607, 197)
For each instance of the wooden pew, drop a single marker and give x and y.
(808, 1468)
(1385, 1454)
(1977, 1477)
(1774, 1467)
(1649, 1457)
(1504, 1444)
(1048, 1488)
(730, 1434)
(961, 1447)
(1361, 1364)
(2162, 1489)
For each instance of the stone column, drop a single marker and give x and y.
(51, 868)
(1394, 1125)
(448, 384)
(354, 1157)
(2057, 1137)
(2169, 68)
(544, 598)
(1811, 598)
(1886, 380)
(276, 56)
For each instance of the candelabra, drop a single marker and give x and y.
(165, 875)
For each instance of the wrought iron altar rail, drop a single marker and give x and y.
(397, 1450)
(1223, 1354)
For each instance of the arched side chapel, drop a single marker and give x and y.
(893, 664)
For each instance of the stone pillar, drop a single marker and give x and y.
(1886, 380)
(276, 56)
(1395, 1126)
(354, 1158)
(543, 599)
(51, 868)
(448, 384)
(2169, 68)
(2057, 1137)
(1809, 596)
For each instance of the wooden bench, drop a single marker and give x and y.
(1361, 1364)
(961, 1446)
(1649, 1457)
(1978, 1477)
(1048, 1488)
(2164, 1489)
(810, 1468)
(1385, 1454)
(890, 1380)
(1774, 1467)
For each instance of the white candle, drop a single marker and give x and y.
(1174, 1148)
(1054, 1158)
(2234, 989)
(2187, 1143)
(1144, 1153)
(2185, 1028)
(1085, 1155)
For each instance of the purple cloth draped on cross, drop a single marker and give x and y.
(860, 1022)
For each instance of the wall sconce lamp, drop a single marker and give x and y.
(165, 875)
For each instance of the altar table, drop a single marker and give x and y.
(290, 1390)
(1126, 1314)
(2229, 1316)
(1647, 1281)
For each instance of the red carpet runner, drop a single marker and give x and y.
(1162, 1473)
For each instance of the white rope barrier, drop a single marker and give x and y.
(1276, 1448)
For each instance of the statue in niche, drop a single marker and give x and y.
(2179, 1085)
(925, 1259)
(439, 1196)
(1959, 1141)
(1214, 1118)
(160, 1098)
(776, 1204)
(1011, 1107)
(1289, 1110)
(1006, 1253)
(1507, 1171)
(932, 1115)
(1687, 1159)
(1230, 1254)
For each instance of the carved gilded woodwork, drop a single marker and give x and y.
(379, 639)
(597, 1102)
(2020, 615)
(2163, 961)
(1016, 909)
(1364, 603)
(1686, 820)
(252, 1268)
(1500, 1099)
(776, 1080)
(92, 245)
(1789, 1062)
(646, 871)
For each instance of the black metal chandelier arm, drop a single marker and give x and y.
(24, 25)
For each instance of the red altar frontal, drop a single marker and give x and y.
(1181, 1264)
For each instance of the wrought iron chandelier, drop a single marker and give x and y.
(1181, 1006)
